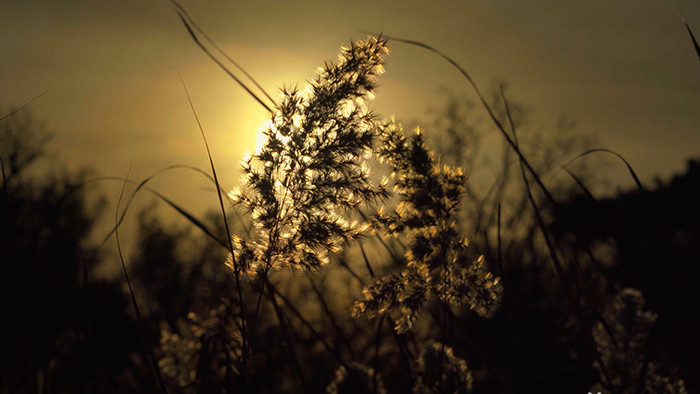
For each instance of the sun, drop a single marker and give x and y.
(260, 137)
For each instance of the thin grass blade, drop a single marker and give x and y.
(224, 54)
(22, 106)
(137, 311)
(236, 270)
(687, 27)
(192, 220)
(606, 150)
(488, 108)
(221, 65)
(142, 185)
(695, 42)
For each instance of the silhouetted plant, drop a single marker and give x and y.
(312, 172)
(202, 357)
(360, 380)
(438, 262)
(309, 169)
(440, 371)
(627, 363)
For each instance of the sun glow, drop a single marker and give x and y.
(260, 137)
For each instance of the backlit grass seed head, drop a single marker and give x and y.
(440, 371)
(438, 260)
(401, 296)
(245, 254)
(180, 357)
(358, 380)
(310, 170)
(625, 346)
(182, 354)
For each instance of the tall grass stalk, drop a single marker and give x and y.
(236, 269)
(186, 20)
(487, 107)
(21, 107)
(189, 22)
(151, 356)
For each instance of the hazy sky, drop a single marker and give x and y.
(625, 70)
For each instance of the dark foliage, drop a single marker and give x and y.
(56, 321)
(655, 242)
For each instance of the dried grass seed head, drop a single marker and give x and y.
(309, 172)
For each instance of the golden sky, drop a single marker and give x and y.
(624, 70)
